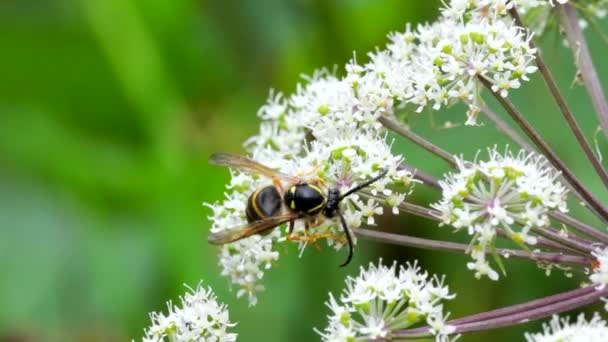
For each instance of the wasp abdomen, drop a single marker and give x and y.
(264, 202)
(306, 198)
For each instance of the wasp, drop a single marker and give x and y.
(271, 206)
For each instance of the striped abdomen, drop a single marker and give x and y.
(262, 203)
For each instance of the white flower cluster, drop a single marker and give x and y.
(199, 319)
(561, 330)
(539, 13)
(599, 276)
(381, 300)
(440, 64)
(513, 193)
(327, 130)
(476, 9)
(323, 133)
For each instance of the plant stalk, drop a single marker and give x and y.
(425, 178)
(514, 315)
(580, 226)
(398, 127)
(561, 102)
(439, 245)
(554, 235)
(505, 128)
(574, 34)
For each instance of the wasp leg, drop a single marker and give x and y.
(276, 181)
(319, 220)
(305, 239)
(339, 239)
(290, 236)
(308, 238)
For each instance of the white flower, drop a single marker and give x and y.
(369, 210)
(439, 64)
(513, 193)
(562, 330)
(199, 319)
(384, 299)
(540, 11)
(394, 200)
(326, 133)
(599, 276)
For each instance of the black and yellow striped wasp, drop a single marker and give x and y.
(271, 206)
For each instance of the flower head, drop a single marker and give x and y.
(440, 64)
(200, 318)
(384, 299)
(560, 329)
(325, 133)
(512, 193)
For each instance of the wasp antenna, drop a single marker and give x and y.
(348, 238)
(364, 185)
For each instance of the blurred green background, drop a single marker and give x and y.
(108, 112)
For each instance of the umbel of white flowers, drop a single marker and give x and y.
(200, 318)
(328, 130)
(349, 147)
(513, 193)
(384, 299)
(561, 330)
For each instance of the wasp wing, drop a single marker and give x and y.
(261, 226)
(243, 163)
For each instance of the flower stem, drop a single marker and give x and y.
(420, 211)
(554, 235)
(569, 176)
(580, 226)
(410, 208)
(559, 245)
(564, 109)
(440, 245)
(398, 127)
(525, 306)
(518, 314)
(425, 178)
(570, 24)
(526, 316)
(505, 128)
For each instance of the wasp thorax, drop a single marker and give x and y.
(305, 198)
